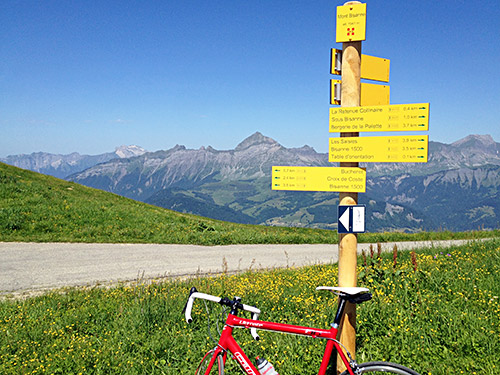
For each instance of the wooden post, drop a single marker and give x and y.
(348, 243)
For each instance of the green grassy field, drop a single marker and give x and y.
(40, 208)
(437, 311)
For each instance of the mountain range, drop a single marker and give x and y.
(61, 166)
(458, 189)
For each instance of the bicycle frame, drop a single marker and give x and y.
(228, 343)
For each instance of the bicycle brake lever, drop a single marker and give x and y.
(253, 331)
(193, 290)
(225, 302)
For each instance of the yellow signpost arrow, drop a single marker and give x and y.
(372, 68)
(401, 149)
(319, 179)
(399, 117)
(371, 93)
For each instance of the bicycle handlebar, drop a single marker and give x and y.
(235, 304)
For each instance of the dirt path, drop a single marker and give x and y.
(35, 267)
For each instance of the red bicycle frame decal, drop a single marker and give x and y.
(228, 343)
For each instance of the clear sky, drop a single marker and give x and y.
(89, 76)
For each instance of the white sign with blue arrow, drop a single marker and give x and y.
(352, 219)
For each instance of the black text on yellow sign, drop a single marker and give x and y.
(329, 179)
(351, 23)
(395, 149)
(398, 117)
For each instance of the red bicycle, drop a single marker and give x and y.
(215, 359)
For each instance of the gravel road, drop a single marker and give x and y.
(35, 267)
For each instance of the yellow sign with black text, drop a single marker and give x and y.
(351, 23)
(331, 179)
(395, 149)
(395, 117)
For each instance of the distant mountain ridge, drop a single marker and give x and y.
(457, 189)
(62, 166)
(141, 177)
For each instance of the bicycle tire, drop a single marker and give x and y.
(383, 368)
(202, 367)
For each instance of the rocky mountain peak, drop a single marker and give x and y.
(178, 148)
(129, 151)
(476, 141)
(255, 140)
(306, 149)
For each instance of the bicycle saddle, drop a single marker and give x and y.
(352, 294)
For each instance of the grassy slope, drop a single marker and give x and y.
(40, 208)
(36, 207)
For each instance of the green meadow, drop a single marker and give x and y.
(40, 208)
(434, 310)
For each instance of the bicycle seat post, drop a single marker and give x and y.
(340, 313)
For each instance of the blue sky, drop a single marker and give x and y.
(89, 76)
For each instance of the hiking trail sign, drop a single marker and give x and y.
(351, 23)
(383, 118)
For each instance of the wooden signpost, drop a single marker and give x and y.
(364, 107)
(348, 242)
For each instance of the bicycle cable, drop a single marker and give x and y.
(352, 361)
(221, 318)
(208, 322)
(223, 311)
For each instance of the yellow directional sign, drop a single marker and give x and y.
(351, 23)
(373, 68)
(382, 118)
(371, 94)
(332, 179)
(405, 149)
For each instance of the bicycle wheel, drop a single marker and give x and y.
(381, 368)
(217, 368)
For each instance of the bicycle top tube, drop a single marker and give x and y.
(346, 294)
(238, 322)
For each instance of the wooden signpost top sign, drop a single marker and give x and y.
(351, 23)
